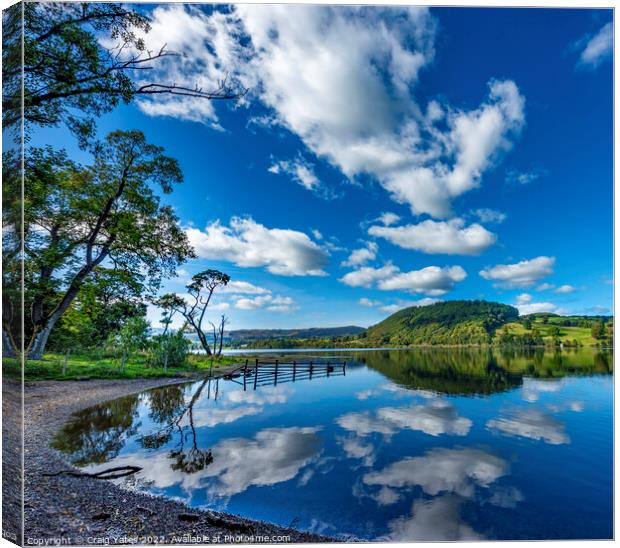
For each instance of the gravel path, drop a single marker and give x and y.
(89, 511)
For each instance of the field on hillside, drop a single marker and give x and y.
(549, 331)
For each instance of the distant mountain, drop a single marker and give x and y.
(450, 322)
(302, 333)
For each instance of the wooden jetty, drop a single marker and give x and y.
(264, 373)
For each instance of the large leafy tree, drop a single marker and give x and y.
(80, 60)
(107, 300)
(77, 218)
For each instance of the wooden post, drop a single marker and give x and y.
(245, 374)
(255, 373)
(64, 364)
(328, 369)
(294, 369)
(344, 368)
(310, 370)
(275, 380)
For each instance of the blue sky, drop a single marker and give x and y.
(485, 135)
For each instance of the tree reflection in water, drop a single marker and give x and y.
(98, 434)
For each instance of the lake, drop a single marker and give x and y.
(425, 444)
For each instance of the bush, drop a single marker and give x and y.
(170, 350)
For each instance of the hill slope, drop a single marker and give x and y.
(301, 333)
(451, 322)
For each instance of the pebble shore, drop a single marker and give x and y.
(86, 511)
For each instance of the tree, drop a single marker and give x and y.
(131, 337)
(598, 330)
(170, 304)
(223, 322)
(77, 217)
(107, 299)
(218, 335)
(166, 343)
(78, 63)
(200, 290)
(527, 323)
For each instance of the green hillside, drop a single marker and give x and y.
(451, 322)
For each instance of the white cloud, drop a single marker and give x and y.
(487, 215)
(566, 289)
(521, 274)
(270, 303)
(364, 301)
(432, 280)
(598, 48)
(523, 177)
(206, 49)
(249, 244)
(452, 237)
(245, 288)
(388, 218)
(367, 276)
(544, 287)
(219, 306)
(362, 255)
(317, 234)
(532, 308)
(329, 93)
(533, 424)
(302, 172)
(524, 298)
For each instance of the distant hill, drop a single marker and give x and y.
(240, 335)
(450, 322)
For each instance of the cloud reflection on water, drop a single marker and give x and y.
(533, 424)
(434, 418)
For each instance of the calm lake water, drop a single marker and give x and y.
(407, 445)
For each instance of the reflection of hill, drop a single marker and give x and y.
(480, 370)
(449, 371)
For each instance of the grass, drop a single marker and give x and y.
(583, 335)
(84, 366)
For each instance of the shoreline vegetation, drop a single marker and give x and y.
(446, 325)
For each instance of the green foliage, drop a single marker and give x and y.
(170, 350)
(133, 335)
(105, 302)
(76, 217)
(598, 330)
(105, 364)
(451, 322)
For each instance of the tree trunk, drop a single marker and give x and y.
(37, 345)
(8, 346)
(204, 343)
(123, 358)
